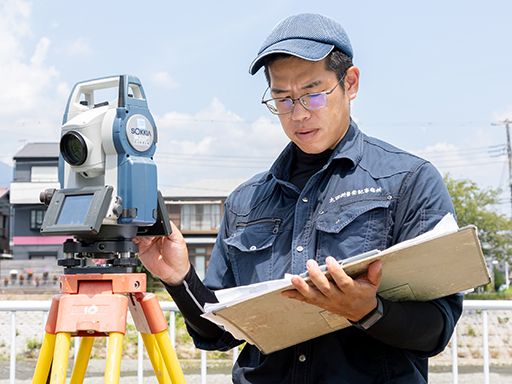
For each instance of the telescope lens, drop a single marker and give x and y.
(73, 148)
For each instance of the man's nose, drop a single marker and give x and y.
(299, 112)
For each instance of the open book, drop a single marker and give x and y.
(438, 263)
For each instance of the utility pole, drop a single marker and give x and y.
(509, 155)
(507, 122)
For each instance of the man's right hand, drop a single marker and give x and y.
(165, 257)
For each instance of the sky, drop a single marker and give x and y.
(436, 79)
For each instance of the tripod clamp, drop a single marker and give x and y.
(116, 256)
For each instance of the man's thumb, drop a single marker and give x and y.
(375, 272)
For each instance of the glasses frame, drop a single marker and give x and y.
(300, 99)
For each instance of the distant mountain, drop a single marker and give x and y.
(5, 175)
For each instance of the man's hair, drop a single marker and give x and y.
(336, 62)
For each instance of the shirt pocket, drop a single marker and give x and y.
(353, 228)
(250, 249)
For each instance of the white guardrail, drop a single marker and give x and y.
(43, 306)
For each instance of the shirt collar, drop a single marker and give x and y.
(350, 148)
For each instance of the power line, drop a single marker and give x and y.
(193, 188)
(253, 165)
(212, 156)
(472, 164)
(493, 151)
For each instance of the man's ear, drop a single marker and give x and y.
(352, 82)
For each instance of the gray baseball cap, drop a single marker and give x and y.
(307, 36)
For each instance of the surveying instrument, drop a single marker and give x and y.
(109, 196)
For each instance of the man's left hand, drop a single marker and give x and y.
(350, 298)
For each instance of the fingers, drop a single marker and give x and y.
(299, 284)
(339, 293)
(144, 240)
(144, 243)
(318, 291)
(320, 280)
(175, 235)
(343, 281)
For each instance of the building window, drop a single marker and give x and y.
(198, 256)
(3, 226)
(36, 218)
(42, 255)
(200, 217)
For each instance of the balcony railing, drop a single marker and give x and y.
(43, 306)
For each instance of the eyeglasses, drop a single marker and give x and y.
(310, 101)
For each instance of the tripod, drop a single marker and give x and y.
(95, 304)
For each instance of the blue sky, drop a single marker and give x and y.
(434, 77)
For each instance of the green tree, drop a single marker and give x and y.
(474, 205)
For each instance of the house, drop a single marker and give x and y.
(35, 169)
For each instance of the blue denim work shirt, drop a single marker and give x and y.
(369, 195)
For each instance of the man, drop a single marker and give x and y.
(332, 193)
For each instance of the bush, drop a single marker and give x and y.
(503, 295)
(499, 278)
(32, 348)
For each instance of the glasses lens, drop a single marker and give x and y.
(314, 101)
(280, 106)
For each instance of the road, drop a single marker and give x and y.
(24, 371)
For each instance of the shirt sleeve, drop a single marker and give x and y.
(190, 297)
(423, 327)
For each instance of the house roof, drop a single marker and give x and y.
(38, 150)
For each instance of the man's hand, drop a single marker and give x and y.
(165, 257)
(350, 298)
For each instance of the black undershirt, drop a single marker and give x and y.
(305, 165)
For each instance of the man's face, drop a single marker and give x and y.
(313, 131)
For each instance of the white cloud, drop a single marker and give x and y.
(189, 147)
(215, 144)
(37, 59)
(24, 81)
(63, 89)
(30, 102)
(481, 163)
(503, 114)
(164, 80)
(79, 47)
(227, 132)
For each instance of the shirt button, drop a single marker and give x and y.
(252, 248)
(300, 248)
(302, 358)
(305, 199)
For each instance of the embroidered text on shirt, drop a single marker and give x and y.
(354, 193)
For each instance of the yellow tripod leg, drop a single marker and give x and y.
(82, 360)
(156, 358)
(44, 361)
(170, 358)
(60, 358)
(114, 352)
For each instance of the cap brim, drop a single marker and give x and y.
(304, 49)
